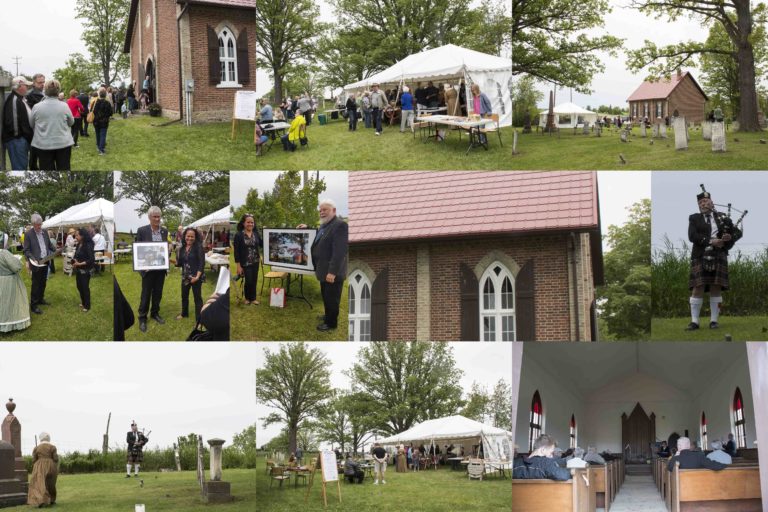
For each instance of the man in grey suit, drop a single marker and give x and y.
(152, 281)
(329, 255)
(37, 246)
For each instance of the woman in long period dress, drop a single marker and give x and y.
(14, 303)
(42, 483)
(401, 466)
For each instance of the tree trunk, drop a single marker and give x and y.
(748, 121)
(278, 85)
(292, 431)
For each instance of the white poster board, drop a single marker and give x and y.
(328, 464)
(245, 105)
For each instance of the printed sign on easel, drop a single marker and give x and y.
(244, 109)
(329, 472)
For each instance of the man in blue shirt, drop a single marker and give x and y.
(406, 115)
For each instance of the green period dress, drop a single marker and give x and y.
(14, 305)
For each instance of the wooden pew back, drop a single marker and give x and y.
(575, 495)
(733, 488)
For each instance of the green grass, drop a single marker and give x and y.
(440, 491)
(172, 492)
(571, 151)
(63, 320)
(741, 328)
(170, 305)
(294, 322)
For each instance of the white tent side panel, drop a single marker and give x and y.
(96, 211)
(496, 84)
(218, 218)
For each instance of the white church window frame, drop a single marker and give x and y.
(360, 302)
(572, 431)
(703, 431)
(536, 420)
(228, 58)
(738, 419)
(493, 313)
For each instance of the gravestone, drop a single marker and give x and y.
(718, 137)
(643, 130)
(514, 142)
(681, 133)
(655, 131)
(216, 490)
(624, 135)
(599, 130)
(11, 434)
(736, 126)
(663, 131)
(585, 129)
(706, 130)
(12, 492)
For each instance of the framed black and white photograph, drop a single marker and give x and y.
(150, 256)
(289, 248)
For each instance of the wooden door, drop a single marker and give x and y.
(638, 432)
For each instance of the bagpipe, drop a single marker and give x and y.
(726, 226)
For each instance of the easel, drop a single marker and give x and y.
(244, 109)
(329, 473)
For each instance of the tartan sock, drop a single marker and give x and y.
(714, 306)
(696, 303)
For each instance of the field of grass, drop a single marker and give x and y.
(424, 491)
(172, 492)
(740, 328)
(63, 320)
(170, 305)
(297, 321)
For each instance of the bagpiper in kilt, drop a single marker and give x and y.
(136, 441)
(712, 234)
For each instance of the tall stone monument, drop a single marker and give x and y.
(216, 491)
(12, 492)
(681, 133)
(718, 137)
(11, 434)
(706, 130)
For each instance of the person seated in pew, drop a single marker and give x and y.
(718, 455)
(593, 457)
(577, 459)
(692, 459)
(540, 464)
(730, 446)
(663, 450)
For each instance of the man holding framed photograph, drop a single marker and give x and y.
(152, 281)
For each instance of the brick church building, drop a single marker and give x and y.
(491, 256)
(212, 42)
(659, 100)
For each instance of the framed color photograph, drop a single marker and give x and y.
(150, 256)
(289, 248)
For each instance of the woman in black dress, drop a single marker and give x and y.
(83, 263)
(247, 245)
(191, 260)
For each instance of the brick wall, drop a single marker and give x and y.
(689, 102)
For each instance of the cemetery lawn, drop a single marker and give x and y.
(741, 328)
(294, 322)
(439, 491)
(170, 305)
(571, 151)
(63, 320)
(172, 492)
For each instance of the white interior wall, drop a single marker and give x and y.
(557, 398)
(758, 372)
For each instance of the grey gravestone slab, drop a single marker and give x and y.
(681, 133)
(643, 130)
(655, 131)
(624, 136)
(585, 129)
(12, 491)
(706, 130)
(663, 131)
(718, 137)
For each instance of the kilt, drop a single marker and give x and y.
(135, 456)
(699, 277)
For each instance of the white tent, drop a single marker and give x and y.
(218, 218)
(497, 442)
(97, 211)
(451, 64)
(569, 115)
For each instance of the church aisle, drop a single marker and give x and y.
(638, 494)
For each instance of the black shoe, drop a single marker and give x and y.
(127, 476)
(142, 328)
(158, 319)
(325, 327)
(692, 326)
(135, 475)
(44, 303)
(713, 325)
(36, 310)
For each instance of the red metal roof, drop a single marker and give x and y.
(662, 89)
(225, 3)
(400, 205)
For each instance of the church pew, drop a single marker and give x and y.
(603, 486)
(575, 495)
(704, 490)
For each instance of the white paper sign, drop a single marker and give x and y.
(245, 105)
(139, 508)
(328, 461)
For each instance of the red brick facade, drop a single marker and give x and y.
(154, 39)
(680, 93)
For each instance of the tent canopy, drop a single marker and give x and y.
(218, 218)
(448, 428)
(97, 211)
(568, 115)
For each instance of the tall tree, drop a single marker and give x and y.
(245, 441)
(408, 382)
(525, 97)
(477, 402)
(78, 73)
(333, 424)
(167, 190)
(346, 56)
(500, 405)
(625, 299)
(10, 222)
(491, 28)
(549, 40)
(104, 26)
(211, 193)
(283, 36)
(738, 19)
(295, 380)
(49, 193)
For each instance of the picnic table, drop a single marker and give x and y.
(275, 130)
(455, 462)
(337, 111)
(118, 252)
(217, 260)
(367, 469)
(473, 126)
(500, 465)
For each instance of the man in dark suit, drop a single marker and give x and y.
(730, 446)
(329, 255)
(709, 259)
(152, 281)
(37, 246)
(692, 459)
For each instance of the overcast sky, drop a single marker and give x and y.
(240, 182)
(172, 389)
(484, 363)
(619, 190)
(674, 199)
